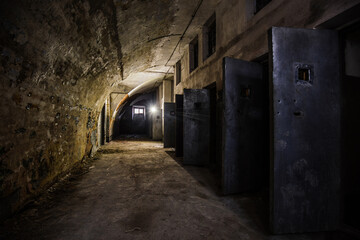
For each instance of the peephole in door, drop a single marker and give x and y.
(304, 73)
(245, 92)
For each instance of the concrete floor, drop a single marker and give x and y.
(137, 190)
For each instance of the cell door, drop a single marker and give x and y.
(244, 122)
(305, 130)
(196, 119)
(169, 125)
(179, 149)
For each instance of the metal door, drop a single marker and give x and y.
(169, 125)
(305, 130)
(179, 101)
(196, 126)
(244, 126)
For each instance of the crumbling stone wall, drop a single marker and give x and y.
(58, 59)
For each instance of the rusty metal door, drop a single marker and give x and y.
(305, 130)
(169, 125)
(196, 126)
(244, 122)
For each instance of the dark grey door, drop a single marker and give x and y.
(179, 149)
(305, 116)
(244, 126)
(196, 126)
(169, 125)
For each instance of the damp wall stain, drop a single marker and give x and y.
(57, 60)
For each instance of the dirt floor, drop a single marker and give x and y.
(139, 190)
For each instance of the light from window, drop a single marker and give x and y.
(138, 110)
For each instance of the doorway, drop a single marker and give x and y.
(212, 141)
(102, 127)
(350, 54)
(134, 119)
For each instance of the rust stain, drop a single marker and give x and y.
(125, 98)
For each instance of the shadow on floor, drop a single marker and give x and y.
(202, 174)
(253, 205)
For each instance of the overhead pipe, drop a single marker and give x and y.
(145, 84)
(182, 36)
(151, 83)
(142, 87)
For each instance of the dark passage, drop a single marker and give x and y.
(134, 118)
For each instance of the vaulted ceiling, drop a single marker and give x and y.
(60, 60)
(83, 50)
(153, 35)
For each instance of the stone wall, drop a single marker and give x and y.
(240, 33)
(58, 59)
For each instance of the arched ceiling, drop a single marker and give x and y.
(59, 60)
(149, 31)
(81, 51)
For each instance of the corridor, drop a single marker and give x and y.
(137, 190)
(249, 112)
